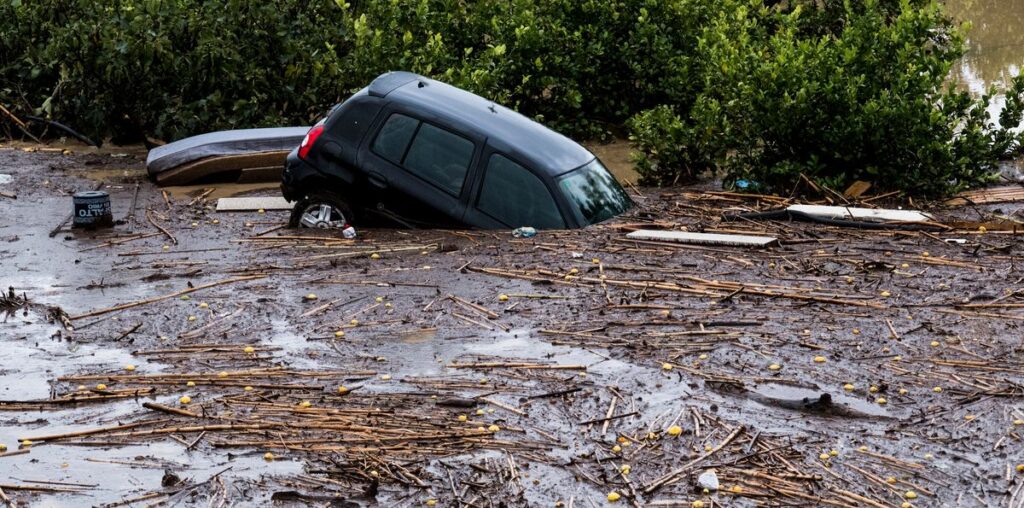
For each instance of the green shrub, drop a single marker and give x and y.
(869, 102)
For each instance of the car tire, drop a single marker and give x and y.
(321, 210)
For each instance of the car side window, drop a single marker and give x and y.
(516, 197)
(440, 157)
(394, 137)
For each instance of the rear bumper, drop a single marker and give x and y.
(295, 170)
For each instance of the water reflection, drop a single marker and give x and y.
(995, 50)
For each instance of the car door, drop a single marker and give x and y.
(509, 195)
(417, 169)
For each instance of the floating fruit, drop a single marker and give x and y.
(101, 386)
(191, 318)
(431, 502)
(190, 383)
(616, 449)
(848, 387)
(703, 356)
(354, 322)
(675, 430)
(819, 359)
(249, 349)
(614, 496)
(881, 400)
(666, 366)
(834, 453)
(379, 299)
(625, 469)
(697, 504)
(222, 374)
(885, 294)
(185, 399)
(386, 377)
(268, 456)
(502, 297)
(856, 331)
(339, 334)
(595, 261)
(129, 367)
(312, 296)
(305, 403)
(247, 388)
(937, 389)
(374, 256)
(493, 428)
(775, 366)
(463, 418)
(904, 391)
(823, 456)
(204, 305)
(935, 343)
(873, 389)
(910, 495)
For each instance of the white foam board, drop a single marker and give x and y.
(252, 204)
(702, 238)
(845, 212)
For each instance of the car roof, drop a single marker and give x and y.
(508, 131)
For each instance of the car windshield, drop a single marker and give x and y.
(594, 193)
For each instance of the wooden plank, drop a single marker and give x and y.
(702, 238)
(252, 204)
(1005, 194)
(848, 213)
(857, 189)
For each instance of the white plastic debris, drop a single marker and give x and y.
(708, 480)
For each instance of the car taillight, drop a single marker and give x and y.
(310, 138)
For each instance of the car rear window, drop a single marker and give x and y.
(394, 137)
(516, 197)
(440, 157)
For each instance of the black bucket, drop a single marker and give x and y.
(92, 210)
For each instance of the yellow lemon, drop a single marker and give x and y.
(431, 502)
(268, 456)
(305, 403)
(595, 261)
(703, 356)
(885, 294)
(247, 388)
(386, 377)
(186, 297)
(937, 389)
(249, 349)
(697, 504)
(666, 366)
(616, 449)
(190, 383)
(379, 299)
(881, 400)
(910, 495)
(675, 430)
(823, 456)
(775, 366)
(354, 322)
(185, 399)
(848, 387)
(614, 496)
(873, 389)
(1020, 468)
(493, 428)
(222, 374)
(374, 256)
(191, 318)
(819, 359)
(969, 417)
(101, 386)
(935, 343)
(904, 391)
(339, 334)
(129, 367)
(312, 296)
(342, 390)
(463, 418)
(625, 469)
(502, 298)
(856, 331)
(26, 443)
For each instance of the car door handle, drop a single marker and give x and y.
(378, 180)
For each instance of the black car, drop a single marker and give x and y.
(416, 152)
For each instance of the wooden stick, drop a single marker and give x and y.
(673, 476)
(170, 237)
(166, 409)
(165, 297)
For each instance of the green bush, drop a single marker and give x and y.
(868, 102)
(762, 90)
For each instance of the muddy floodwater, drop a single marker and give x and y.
(194, 358)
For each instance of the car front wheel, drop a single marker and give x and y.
(320, 210)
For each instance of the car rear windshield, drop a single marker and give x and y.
(594, 193)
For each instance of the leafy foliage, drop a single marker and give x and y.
(763, 90)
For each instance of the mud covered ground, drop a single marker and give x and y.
(474, 369)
